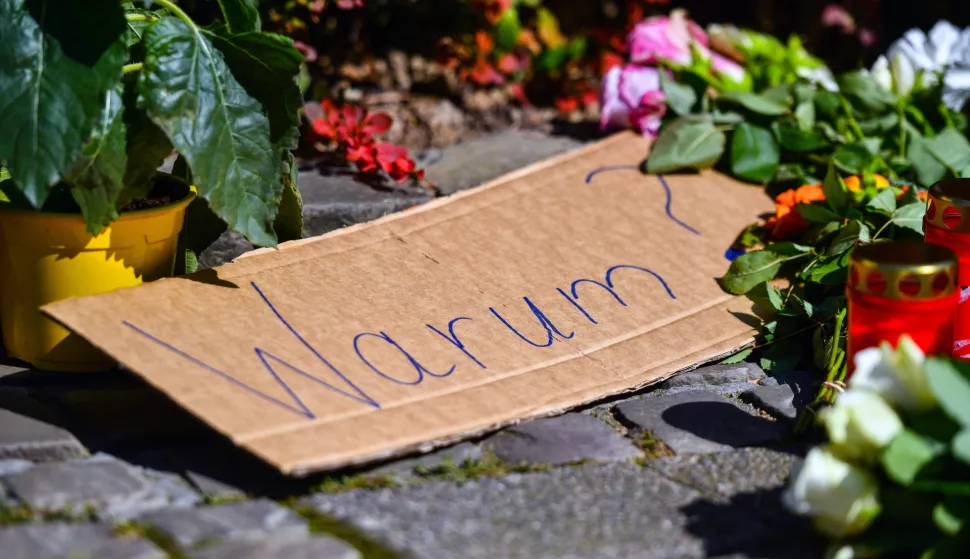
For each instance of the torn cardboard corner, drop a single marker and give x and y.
(571, 280)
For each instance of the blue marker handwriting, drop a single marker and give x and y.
(329, 377)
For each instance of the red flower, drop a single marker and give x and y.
(567, 104)
(349, 124)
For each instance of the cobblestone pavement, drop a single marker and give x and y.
(102, 466)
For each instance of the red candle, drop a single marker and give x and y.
(898, 288)
(947, 223)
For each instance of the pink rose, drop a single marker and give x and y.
(630, 97)
(664, 39)
(668, 39)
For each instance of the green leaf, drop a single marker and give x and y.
(885, 201)
(754, 153)
(4, 176)
(926, 165)
(240, 15)
(680, 98)
(754, 103)
(49, 101)
(148, 146)
(852, 158)
(507, 30)
(737, 357)
(289, 219)
(853, 233)
(781, 356)
(268, 67)
(865, 93)
(202, 227)
(950, 383)
(136, 29)
(836, 194)
(215, 124)
(961, 446)
(831, 270)
(748, 270)
(788, 248)
(946, 520)
(908, 454)
(910, 216)
(798, 140)
(952, 149)
(686, 144)
(766, 296)
(97, 177)
(816, 213)
(805, 115)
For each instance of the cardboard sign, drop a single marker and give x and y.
(560, 284)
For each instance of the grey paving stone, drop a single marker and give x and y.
(568, 438)
(112, 489)
(14, 466)
(721, 475)
(9, 369)
(281, 547)
(614, 510)
(404, 470)
(713, 375)
(480, 160)
(726, 389)
(697, 422)
(72, 541)
(231, 521)
(779, 401)
(27, 438)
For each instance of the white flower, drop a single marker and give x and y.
(820, 75)
(880, 72)
(840, 498)
(943, 51)
(860, 424)
(897, 376)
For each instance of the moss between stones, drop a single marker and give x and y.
(22, 514)
(487, 466)
(161, 540)
(651, 446)
(322, 524)
(356, 481)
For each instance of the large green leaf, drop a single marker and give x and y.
(148, 146)
(289, 220)
(748, 270)
(885, 201)
(268, 66)
(929, 169)
(853, 233)
(686, 144)
(187, 90)
(865, 93)
(952, 149)
(49, 100)
(755, 155)
(680, 97)
(836, 194)
(755, 103)
(241, 15)
(909, 455)
(910, 216)
(950, 383)
(97, 177)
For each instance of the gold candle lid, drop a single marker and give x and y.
(949, 205)
(903, 270)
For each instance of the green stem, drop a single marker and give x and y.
(856, 129)
(902, 130)
(177, 12)
(140, 17)
(130, 68)
(946, 116)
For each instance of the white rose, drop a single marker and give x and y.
(897, 376)
(880, 72)
(841, 499)
(860, 424)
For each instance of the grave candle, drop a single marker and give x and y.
(898, 288)
(947, 223)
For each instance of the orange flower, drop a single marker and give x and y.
(787, 222)
(854, 183)
(921, 193)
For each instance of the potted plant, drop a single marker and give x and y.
(93, 97)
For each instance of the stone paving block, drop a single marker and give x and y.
(713, 375)
(480, 160)
(24, 437)
(404, 470)
(698, 421)
(779, 401)
(612, 510)
(232, 521)
(280, 547)
(720, 475)
(726, 389)
(572, 437)
(60, 540)
(9, 369)
(114, 490)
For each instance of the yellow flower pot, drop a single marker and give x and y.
(46, 257)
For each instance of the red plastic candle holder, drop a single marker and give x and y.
(947, 223)
(898, 288)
